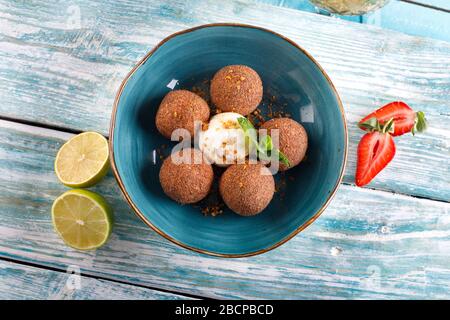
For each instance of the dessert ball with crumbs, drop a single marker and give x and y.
(186, 182)
(180, 109)
(247, 189)
(292, 139)
(236, 88)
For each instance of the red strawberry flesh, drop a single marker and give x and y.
(404, 117)
(375, 151)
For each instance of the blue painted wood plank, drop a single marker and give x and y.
(367, 244)
(21, 282)
(412, 19)
(305, 5)
(442, 4)
(59, 73)
(408, 17)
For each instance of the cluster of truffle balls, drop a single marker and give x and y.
(246, 188)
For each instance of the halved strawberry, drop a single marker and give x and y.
(375, 150)
(405, 119)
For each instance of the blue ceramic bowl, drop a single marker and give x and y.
(297, 83)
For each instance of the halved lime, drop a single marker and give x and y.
(83, 160)
(82, 219)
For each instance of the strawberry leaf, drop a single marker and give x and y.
(388, 127)
(420, 123)
(372, 124)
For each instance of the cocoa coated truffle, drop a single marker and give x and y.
(236, 88)
(247, 189)
(186, 182)
(180, 109)
(292, 140)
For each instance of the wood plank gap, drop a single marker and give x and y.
(429, 6)
(87, 275)
(40, 125)
(395, 192)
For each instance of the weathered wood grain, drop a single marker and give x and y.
(306, 5)
(412, 19)
(367, 244)
(20, 282)
(439, 4)
(62, 65)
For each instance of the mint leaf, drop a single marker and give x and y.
(266, 143)
(282, 157)
(245, 124)
(265, 146)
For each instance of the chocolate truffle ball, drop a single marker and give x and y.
(236, 88)
(180, 109)
(292, 139)
(186, 182)
(247, 189)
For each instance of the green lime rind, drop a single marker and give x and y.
(99, 201)
(94, 179)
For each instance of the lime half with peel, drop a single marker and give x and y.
(83, 160)
(82, 219)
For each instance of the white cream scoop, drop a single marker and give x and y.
(223, 142)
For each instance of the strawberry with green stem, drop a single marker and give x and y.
(375, 150)
(405, 119)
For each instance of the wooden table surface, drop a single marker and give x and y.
(60, 66)
(427, 18)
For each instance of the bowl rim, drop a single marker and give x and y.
(162, 233)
